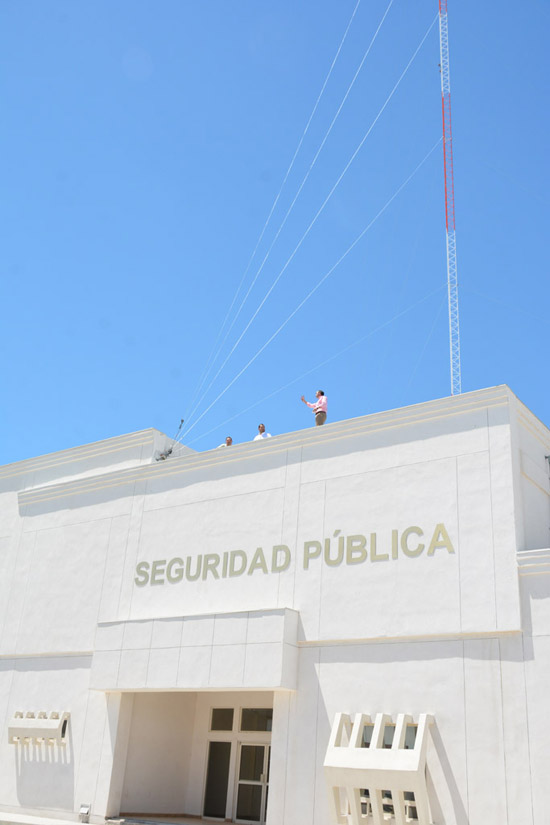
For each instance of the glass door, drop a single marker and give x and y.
(252, 783)
(217, 780)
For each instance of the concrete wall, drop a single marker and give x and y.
(388, 626)
(479, 770)
(355, 481)
(37, 776)
(159, 753)
(448, 463)
(531, 446)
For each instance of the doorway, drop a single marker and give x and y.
(252, 783)
(238, 763)
(217, 780)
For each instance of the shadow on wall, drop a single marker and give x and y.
(488, 648)
(450, 784)
(534, 591)
(444, 793)
(45, 775)
(362, 679)
(90, 499)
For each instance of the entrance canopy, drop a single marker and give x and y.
(249, 650)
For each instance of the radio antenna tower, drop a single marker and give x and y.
(452, 278)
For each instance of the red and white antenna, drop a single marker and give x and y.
(452, 278)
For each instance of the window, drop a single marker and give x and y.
(256, 719)
(367, 735)
(389, 732)
(410, 736)
(410, 807)
(371, 761)
(222, 719)
(38, 728)
(387, 802)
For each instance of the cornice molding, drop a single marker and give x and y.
(453, 406)
(74, 454)
(534, 562)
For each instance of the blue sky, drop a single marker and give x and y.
(143, 146)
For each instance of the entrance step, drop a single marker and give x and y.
(161, 819)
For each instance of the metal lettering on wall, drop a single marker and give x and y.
(332, 551)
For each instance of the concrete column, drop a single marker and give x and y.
(112, 764)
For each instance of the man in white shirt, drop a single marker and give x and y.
(261, 433)
(227, 443)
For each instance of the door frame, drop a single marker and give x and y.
(264, 784)
(235, 736)
(230, 775)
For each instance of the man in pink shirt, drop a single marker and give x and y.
(319, 407)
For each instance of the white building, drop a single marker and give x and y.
(345, 624)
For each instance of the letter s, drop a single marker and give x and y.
(142, 571)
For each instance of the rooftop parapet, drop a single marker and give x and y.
(123, 452)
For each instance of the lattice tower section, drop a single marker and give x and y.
(452, 276)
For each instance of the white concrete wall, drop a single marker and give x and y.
(72, 558)
(159, 753)
(246, 650)
(439, 633)
(531, 445)
(39, 776)
(478, 760)
(536, 681)
(356, 481)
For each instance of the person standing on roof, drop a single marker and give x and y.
(227, 443)
(319, 407)
(261, 433)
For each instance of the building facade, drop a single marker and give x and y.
(340, 625)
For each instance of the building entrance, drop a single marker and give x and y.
(203, 754)
(238, 762)
(252, 783)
